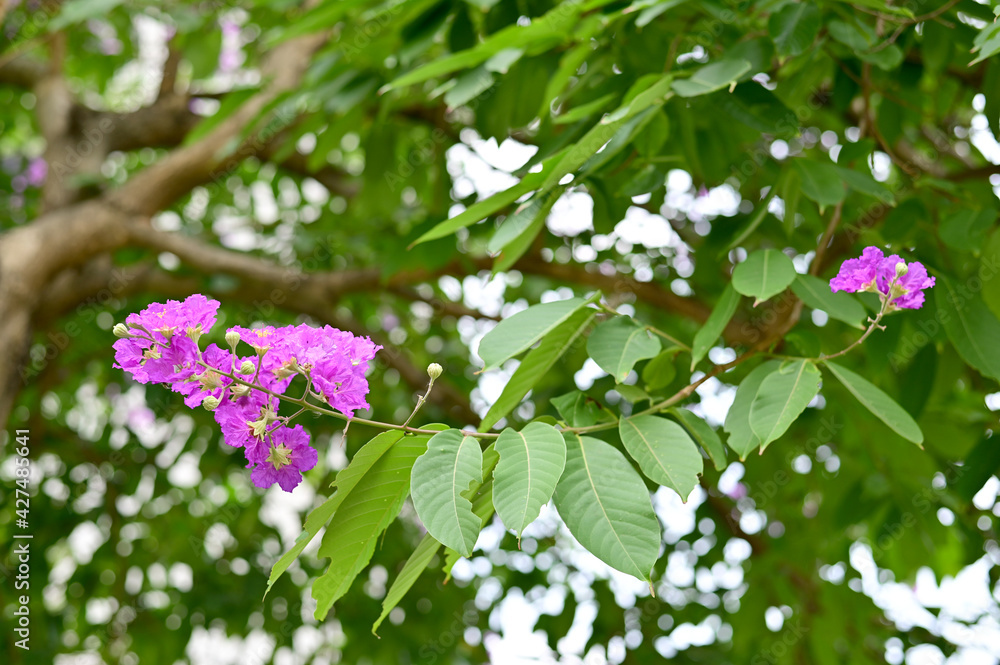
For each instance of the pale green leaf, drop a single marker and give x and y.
(782, 397)
(531, 462)
(441, 475)
(972, 328)
(742, 439)
(664, 452)
(764, 274)
(551, 25)
(363, 516)
(617, 344)
(713, 76)
(607, 508)
(536, 364)
(716, 323)
(581, 151)
(347, 479)
(842, 306)
(879, 403)
(518, 332)
(482, 209)
(412, 569)
(704, 434)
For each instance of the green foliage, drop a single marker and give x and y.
(664, 452)
(783, 395)
(716, 323)
(362, 518)
(441, 477)
(617, 344)
(841, 305)
(368, 195)
(605, 504)
(531, 462)
(764, 274)
(517, 333)
(879, 403)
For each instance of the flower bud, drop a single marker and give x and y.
(434, 370)
(210, 403)
(121, 330)
(247, 367)
(901, 269)
(232, 338)
(240, 390)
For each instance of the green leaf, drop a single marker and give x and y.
(521, 243)
(794, 28)
(77, 11)
(516, 333)
(518, 231)
(664, 451)
(551, 25)
(650, 140)
(791, 192)
(865, 184)
(568, 66)
(879, 403)
(842, 306)
(617, 344)
(821, 181)
(704, 434)
(713, 76)
(978, 466)
(782, 397)
(536, 364)
(987, 42)
(660, 371)
(972, 328)
(531, 462)
(741, 437)
(607, 508)
(757, 218)
(966, 230)
(363, 516)
(412, 569)
(716, 323)
(991, 89)
(602, 132)
(482, 209)
(584, 111)
(441, 475)
(764, 274)
(346, 481)
(468, 86)
(576, 410)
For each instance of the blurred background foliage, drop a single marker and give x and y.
(332, 135)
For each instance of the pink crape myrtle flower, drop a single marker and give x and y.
(245, 420)
(913, 282)
(875, 272)
(164, 336)
(336, 360)
(160, 345)
(288, 456)
(196, 382)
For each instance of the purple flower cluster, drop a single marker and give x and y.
(160, 345)
(892, 278)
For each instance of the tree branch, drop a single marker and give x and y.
(22, 71)
(159, 185)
